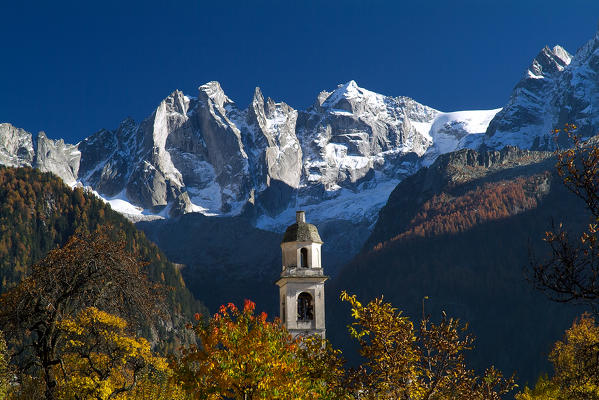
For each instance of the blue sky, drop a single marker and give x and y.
(72, 68)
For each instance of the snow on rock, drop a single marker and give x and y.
(339, 159)
(347, 205)
(556, 89)
(456, 130)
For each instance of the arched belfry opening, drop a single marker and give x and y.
(304, 257)
(305, 307)
(301, 285)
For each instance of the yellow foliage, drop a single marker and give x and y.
(102, 360)
(425, 364)
(4, 368)
(575, 360)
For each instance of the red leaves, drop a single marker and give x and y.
(248, 305)
(241, 353)
(262, 317)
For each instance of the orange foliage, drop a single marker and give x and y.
(447, 214)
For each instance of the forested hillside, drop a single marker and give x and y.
(38, 212)
(461, 233)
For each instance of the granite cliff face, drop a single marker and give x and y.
(18, 149)
(340, 158)
(557, 88)
(57, 157)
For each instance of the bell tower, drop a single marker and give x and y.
(301, 285)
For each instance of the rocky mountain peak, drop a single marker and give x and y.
(562, 54)
(126, 130)
(58, 157)
(549, 62)
(127, 123)
(586, 52)
(351, 98)
(321, 98)
(558, 88)
(213, 92)
(348, 88)
(16, 146)
(206, 155)
(177, 102)
(258, 96)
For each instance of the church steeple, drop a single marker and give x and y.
(301, 285)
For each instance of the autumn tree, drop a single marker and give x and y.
(101, 359)
(91, 270)
(4, 368)
(405, 363)
(388, 344)
(323, 366)
(571, 272)
(575, 361)
(243, 356)
(158, 385)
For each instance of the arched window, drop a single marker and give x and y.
(304, 257)
(305, 307)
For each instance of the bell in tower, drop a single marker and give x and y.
(301, 285)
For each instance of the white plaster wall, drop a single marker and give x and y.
(291, 255)
(290, 291)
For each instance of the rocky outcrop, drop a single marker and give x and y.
(16, 147)
(557, 89)
(351, 132)
(204, 154)
(57, 157)
(106, 158)
(270, 133)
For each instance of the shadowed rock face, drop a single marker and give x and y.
(457, 172)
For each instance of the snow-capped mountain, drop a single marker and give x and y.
(557, 88)
(339, 159)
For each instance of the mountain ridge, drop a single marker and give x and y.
(203, 154)
(461, 233)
